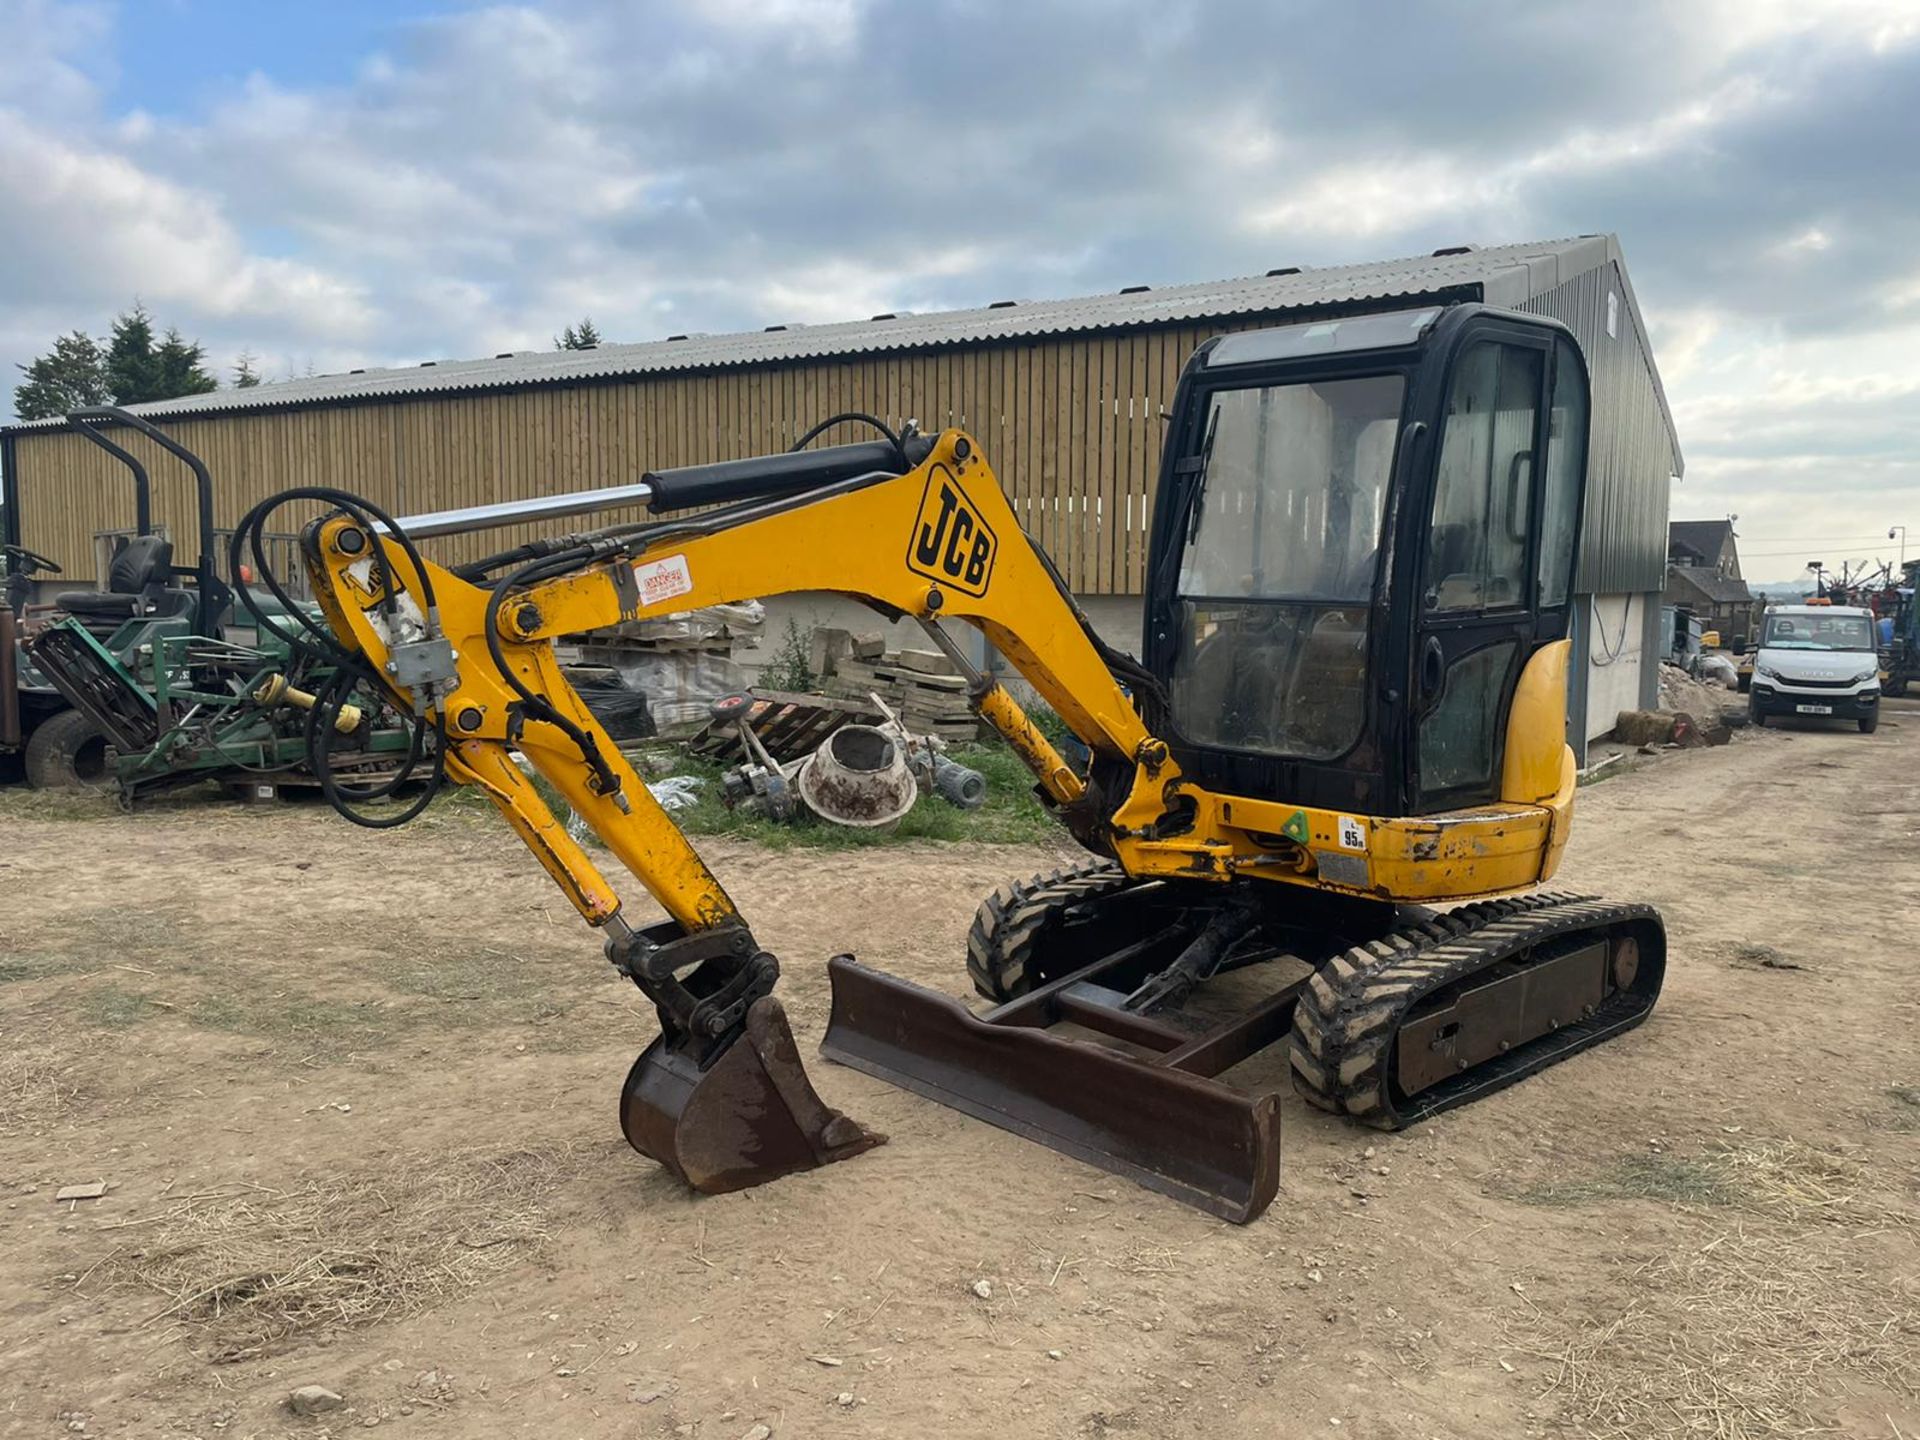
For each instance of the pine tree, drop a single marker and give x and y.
(179, 363)
(69, 376)
(580, 337)
(128, 370)
(133, 375)
(138, 370)
(245, 377)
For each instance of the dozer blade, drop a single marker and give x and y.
(750, 1117)
(1197, 1140)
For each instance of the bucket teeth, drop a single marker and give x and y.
(751, 1116)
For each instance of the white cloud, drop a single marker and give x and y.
(1394, 193)
(1813, 441)
(840, 290)
(1881, 26)
(1904, 293)
(803, 24)
(1810, 241)
(52, 52)
(1684, 340)
(102, 229)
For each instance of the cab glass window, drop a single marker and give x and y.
(1278, 567)
(1482, 502)
(1460, 737)
(1566, 473)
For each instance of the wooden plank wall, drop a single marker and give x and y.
(1071, 425)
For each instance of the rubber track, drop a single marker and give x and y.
(1348, 1020)
(1010, 921)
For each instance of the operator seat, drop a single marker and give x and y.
(139, 583)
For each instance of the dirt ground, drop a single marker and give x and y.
(353, 1098)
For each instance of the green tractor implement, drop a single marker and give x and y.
(156, 688)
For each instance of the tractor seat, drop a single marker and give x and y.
(142, 569)
(103, 604)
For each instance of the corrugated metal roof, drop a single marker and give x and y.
(1506, 275)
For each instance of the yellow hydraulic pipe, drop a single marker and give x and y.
(1000, 710)
(278, 690)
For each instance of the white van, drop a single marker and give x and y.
(1817, 660)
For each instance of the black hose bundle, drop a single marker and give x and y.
(534, 705)
(349, 669)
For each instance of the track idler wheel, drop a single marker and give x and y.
(751, 1116)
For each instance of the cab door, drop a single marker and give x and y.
(1496, 559)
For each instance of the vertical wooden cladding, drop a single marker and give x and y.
(1073, 424)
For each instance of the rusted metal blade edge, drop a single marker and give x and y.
(1195, 1140)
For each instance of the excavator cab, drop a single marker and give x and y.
(1366, 527)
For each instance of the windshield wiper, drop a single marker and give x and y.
(1206, 459)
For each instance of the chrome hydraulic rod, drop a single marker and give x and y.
(518, 512)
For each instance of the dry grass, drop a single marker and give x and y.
(75, 804)
(1747, 1334)
(1906, 1109)
(1739, 1341)
(1806, 1185)
(252, 1269)
(1147, 1259)
(1671, 1179)
(34, 1091)
(1786, 1179)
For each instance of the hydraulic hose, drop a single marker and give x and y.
(349, 669)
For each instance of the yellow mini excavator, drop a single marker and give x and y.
(1349, 709)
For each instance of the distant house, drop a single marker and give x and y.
(1703, 575)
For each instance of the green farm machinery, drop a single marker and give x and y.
(149, 684)
(185, 708)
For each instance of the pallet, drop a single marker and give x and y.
(883, 673)
(921, 687)
(789, 725)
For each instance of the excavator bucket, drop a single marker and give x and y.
(749, 1117)
(1160, 1122)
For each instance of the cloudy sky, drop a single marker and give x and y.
(376, 181)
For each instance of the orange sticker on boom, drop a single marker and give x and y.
(951, 544)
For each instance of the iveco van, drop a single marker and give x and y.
(1817, 661)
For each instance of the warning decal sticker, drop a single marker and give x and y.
(1353, 833)
(662, 580)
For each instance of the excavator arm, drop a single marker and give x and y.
(935, 540)
(938, 542)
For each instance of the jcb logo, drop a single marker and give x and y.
(951, 543)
